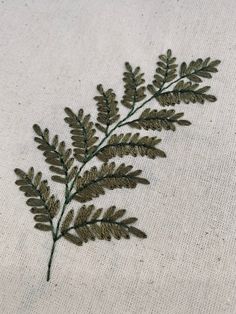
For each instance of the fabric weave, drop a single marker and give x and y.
(53, 54)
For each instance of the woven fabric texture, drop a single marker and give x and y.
(52, 55)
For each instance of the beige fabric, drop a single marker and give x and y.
(52, 54)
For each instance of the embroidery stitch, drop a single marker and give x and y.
(68, 164)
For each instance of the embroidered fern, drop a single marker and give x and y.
(171, 85)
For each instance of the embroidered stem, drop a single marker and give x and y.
(50, 260)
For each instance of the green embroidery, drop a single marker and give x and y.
(67, 164)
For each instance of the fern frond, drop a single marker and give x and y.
(83, 133)
(107, 108)
(94, 181)
(89, 225)
(130, 144)
(56, 155)
(166, 70)
(134, 89)
(196, 70)
(158, 120)
(185, 92)
(44, 205)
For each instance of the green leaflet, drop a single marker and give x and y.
(83, 133)
(130, 144)
(172, 85)
(158, 120)
(44, 205)
(134, 88)
(56, 155)
(90, 224)
(185, 92)
(107, 109)
(166, 69)
(95, 181)
(196, 70)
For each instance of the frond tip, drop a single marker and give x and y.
(107, 108)
(187, 85)
(91, 224)
(134, 88)
(83, 133)
(166, 70)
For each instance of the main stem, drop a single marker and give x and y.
(55, 234)
(68, 192)
(50, 260)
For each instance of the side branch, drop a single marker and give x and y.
(92, 222)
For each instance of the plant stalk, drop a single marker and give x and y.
(50, 260)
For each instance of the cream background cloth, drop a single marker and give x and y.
(52, 55)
